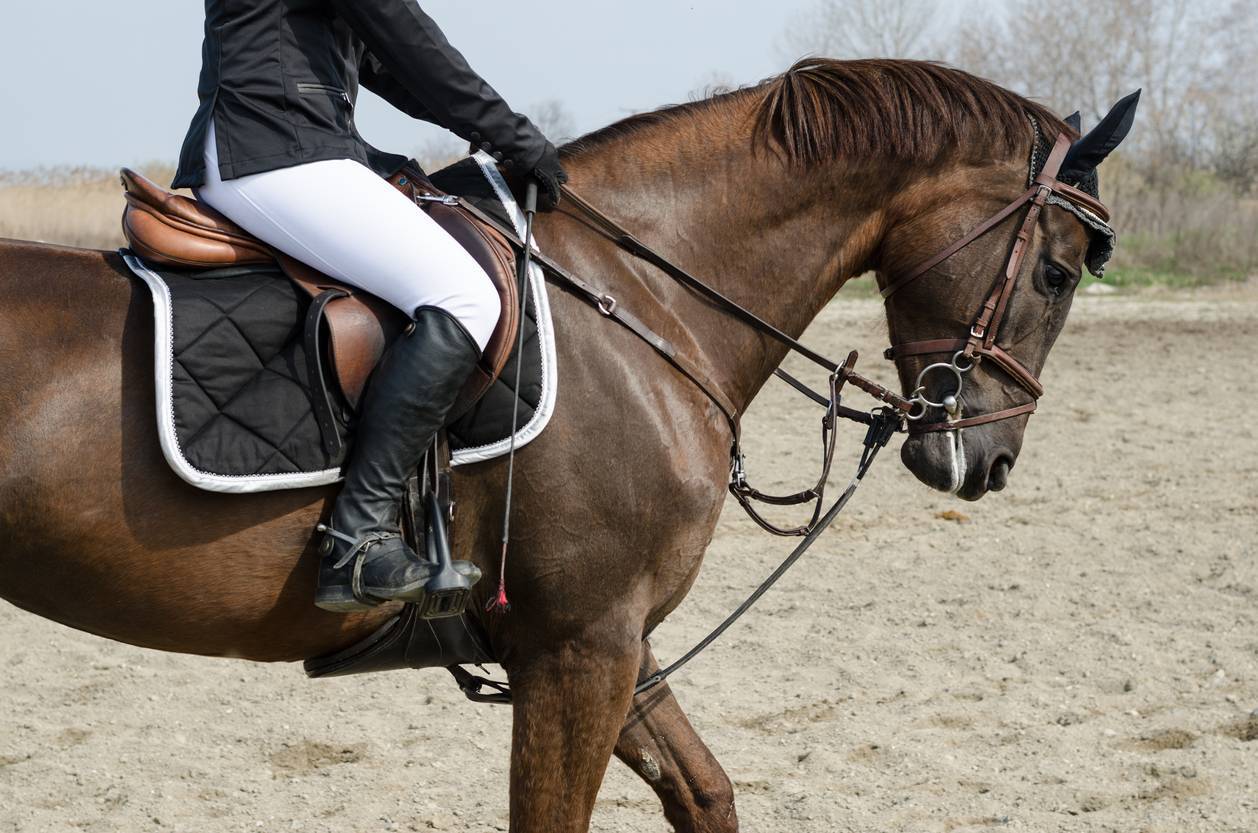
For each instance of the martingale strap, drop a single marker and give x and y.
(882, 423)
(608, 306)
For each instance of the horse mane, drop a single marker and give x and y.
(822, 109)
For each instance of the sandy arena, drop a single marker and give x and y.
(1076, 653)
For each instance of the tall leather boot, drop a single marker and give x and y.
(365, 560)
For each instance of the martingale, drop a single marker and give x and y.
(897, 413)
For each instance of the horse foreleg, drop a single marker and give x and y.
(568, 705)
(659, 744)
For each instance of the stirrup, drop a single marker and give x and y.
(447, 591)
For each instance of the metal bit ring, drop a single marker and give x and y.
(919, 394)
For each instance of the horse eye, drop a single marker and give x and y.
(1056, 278)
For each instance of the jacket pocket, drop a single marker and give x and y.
(326, 105)
(307, 88)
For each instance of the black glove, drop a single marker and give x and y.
(549, 175)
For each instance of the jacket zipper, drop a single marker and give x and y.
(304, 87)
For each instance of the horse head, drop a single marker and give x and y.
(979, 267)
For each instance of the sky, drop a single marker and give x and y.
(105, 84)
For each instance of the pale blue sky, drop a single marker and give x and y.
(90, 82)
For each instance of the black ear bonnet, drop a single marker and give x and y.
(1079, 169)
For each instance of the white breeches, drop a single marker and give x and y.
(343, 219)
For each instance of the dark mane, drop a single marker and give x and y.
(822, 109)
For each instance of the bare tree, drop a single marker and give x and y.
(1233, 110)
(1179, 182)
(862, 29)
(554, 120)
(1080, 54)
(1195, 148)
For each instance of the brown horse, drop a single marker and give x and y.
(777, 194)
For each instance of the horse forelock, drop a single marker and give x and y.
(822, 110)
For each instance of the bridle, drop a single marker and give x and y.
(968, 352)
(881, 423)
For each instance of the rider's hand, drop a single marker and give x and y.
(549, 174)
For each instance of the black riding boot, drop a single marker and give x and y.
(365, 560)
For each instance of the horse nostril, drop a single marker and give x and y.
(998, 474)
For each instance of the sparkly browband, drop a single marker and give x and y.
(1103, 239)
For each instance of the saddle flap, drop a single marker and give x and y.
(360, 327)
(494, 254)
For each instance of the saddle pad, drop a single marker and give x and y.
(234, 400)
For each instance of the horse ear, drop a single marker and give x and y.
(1088, 152)
(1075, 121)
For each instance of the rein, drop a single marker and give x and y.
(882, 423)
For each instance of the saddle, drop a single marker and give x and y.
(347, 328)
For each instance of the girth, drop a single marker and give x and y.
(980, 343)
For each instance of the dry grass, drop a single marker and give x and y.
(1176, 227)
(1179, 225)
(76, 207)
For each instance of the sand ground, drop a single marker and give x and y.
(1077, 653)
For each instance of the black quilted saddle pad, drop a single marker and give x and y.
(235, 378)
(242, 398)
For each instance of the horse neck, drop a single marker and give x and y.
(779, 242)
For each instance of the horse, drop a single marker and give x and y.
(777, 193)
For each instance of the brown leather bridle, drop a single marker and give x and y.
(882, 423)
(969, 352)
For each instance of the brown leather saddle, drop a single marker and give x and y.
(348, 328)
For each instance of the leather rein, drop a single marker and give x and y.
(882, 423)
(894, 410)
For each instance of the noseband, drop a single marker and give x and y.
(970, 351)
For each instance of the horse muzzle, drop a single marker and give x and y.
(967, 463)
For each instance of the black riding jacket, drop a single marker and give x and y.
(280, 78)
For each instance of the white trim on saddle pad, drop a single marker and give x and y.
(545, 334)
(163, 364)
(163, 368)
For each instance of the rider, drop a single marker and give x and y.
(273, 147)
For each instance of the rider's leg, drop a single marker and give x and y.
(343, 219)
